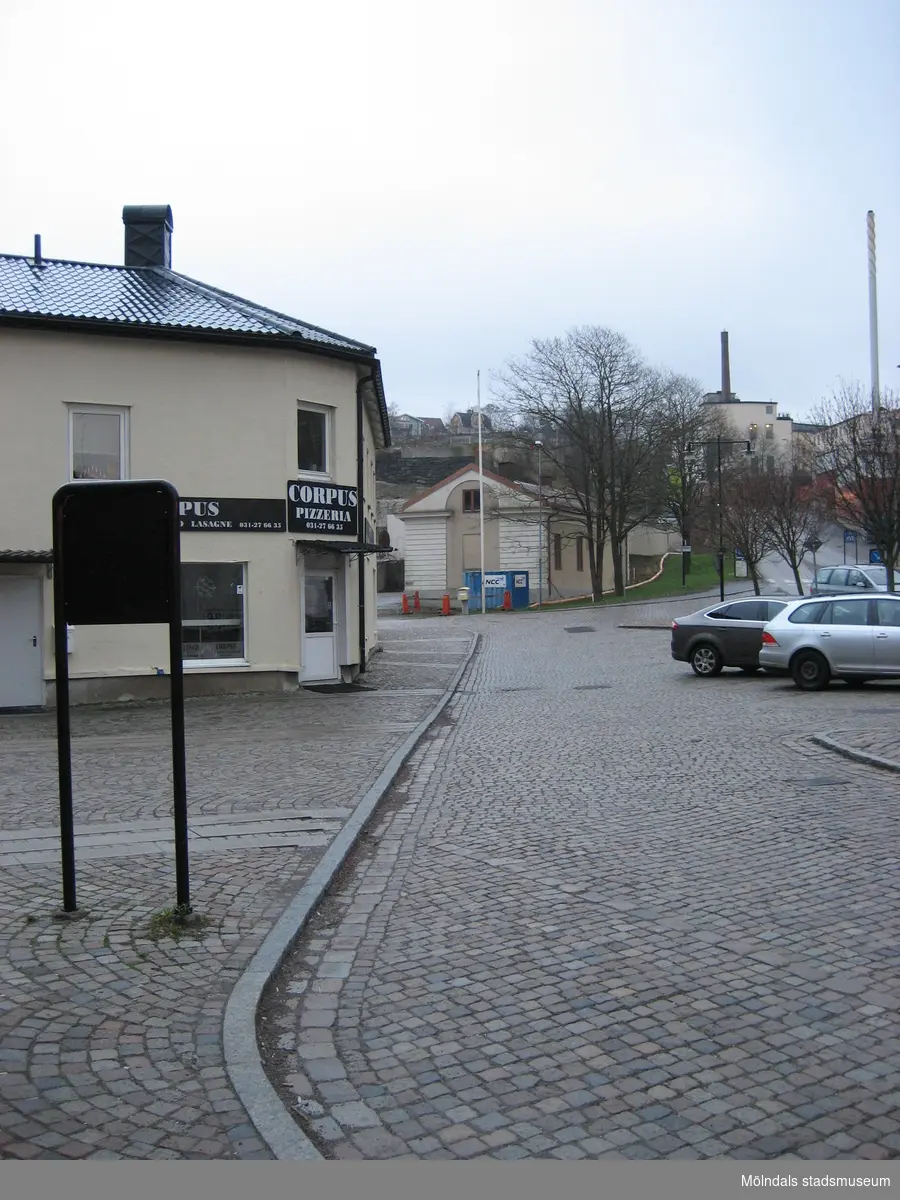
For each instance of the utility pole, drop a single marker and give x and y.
(540, 447)
(719, 442)
(481, 497)
(721, 539)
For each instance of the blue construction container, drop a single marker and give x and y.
(496, 583)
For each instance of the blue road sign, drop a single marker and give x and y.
(875, 556)
(849, 535)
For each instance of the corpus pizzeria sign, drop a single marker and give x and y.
(322, 508)
(221, 515)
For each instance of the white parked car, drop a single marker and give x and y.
(854, 638)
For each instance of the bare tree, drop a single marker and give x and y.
(598, 409)
(796, 515)
(746, 515)
(549, 393)
(689, 423)
(860, 456)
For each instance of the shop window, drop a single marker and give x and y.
(213, 613)
(471, 500)
(98, 442)
(557, 552)
(312, 441)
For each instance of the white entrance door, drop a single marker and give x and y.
(319, 627)
(21, 667)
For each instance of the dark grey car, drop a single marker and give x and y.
(724, 635)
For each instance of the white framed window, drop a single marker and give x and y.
(213, 614)
(314, 438)
(98, 441)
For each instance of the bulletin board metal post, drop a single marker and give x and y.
(117, 561)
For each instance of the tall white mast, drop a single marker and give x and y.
(873, 315)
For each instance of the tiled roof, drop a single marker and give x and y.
(148, 298)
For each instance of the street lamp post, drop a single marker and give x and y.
(540, 446)
(721, 539)
(719, 442)
(684, 532)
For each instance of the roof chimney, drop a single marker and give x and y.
(148, 235)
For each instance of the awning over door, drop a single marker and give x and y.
(344, 547)
(26, 556)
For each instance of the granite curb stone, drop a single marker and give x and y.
(242, 1059)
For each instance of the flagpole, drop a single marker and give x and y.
(481, 496)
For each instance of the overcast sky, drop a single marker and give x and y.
(447, 182)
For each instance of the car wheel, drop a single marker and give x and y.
(749, 670)
(855, 681)
(706, 660)
(809, 671)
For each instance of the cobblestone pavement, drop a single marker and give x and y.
(610, 910)
(111, 1040)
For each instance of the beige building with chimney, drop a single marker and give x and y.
(267, 426)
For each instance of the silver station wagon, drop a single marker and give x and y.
(838, 581)
(853, 638)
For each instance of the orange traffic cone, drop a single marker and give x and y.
(445, 606)
(507, 601)
(416, 605)
(404, 606)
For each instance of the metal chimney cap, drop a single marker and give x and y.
(138, 214)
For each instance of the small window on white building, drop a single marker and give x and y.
(98, 442)
(770, 432)
(213, 613)
(471, 500)
(313, 437)
(770, 408)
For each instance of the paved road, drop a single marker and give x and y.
(111, 1040)
(611, 910)
(832, 553)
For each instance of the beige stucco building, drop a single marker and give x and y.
(770, 436)
(443, 538)
(267, 427)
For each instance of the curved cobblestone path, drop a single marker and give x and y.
(611, 910)
(110, 1038)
